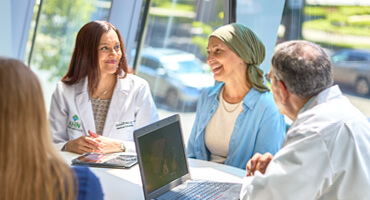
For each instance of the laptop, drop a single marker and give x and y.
(164, 167)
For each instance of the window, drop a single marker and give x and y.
(150, 63)
(58, 24)
(177, 36)
(341, 28)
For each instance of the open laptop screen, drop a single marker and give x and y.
(162, 154)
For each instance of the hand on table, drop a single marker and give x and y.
(106, 145)
(258, 162)
(83, 144)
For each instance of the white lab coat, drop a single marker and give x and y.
(131, 107)
(325, 155)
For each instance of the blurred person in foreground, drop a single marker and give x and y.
(30, 166)
(326, 152)
(97, 105)
(237, 117)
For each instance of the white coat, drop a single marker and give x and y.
(325, 155)
(131, 107)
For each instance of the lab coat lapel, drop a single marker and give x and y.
(84, 106)
(116, 106)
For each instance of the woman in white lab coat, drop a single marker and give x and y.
(97, 105)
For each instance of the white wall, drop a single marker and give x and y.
(16, 17)
(6, 33)
(263, 17)
(125, 17)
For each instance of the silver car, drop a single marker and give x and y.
(352, 67)
(176, 77)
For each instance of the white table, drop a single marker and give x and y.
(120, 184)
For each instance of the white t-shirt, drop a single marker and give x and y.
(220, 128)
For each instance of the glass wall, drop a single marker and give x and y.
(343, 29)
(263, 17)
(173, 56)
(49, 50)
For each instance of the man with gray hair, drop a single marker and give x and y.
(326, 151)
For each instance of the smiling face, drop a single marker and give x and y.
(110, 53)
(223, 61)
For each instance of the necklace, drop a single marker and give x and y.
(98, 97)
(234, 106)
(105, 92)
(229, 105)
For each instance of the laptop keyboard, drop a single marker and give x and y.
(202, 190)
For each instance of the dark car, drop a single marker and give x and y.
(352, 67)
(175, 76)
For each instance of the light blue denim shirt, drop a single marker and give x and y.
(259, 128)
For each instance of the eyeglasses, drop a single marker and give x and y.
(268, 78)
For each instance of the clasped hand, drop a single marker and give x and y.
(258, 162)
(93, 144)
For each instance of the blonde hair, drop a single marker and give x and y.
(30, 166)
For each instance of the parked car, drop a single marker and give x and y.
(352, 67)
(176, 77)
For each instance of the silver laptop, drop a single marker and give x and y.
(164, 168)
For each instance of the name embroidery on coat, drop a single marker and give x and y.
(121, 125)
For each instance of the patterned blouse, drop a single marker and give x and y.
(100, 110)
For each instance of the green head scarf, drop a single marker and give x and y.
(245, 44)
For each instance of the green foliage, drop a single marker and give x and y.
(352, 20)
(343, 10)
(201, 40)
(59, 23)
(161, 10)
(340, 45)
(342, 20)
(354, 10)
(169, 4)
(314, 11)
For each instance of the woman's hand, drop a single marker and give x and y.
(258, 162)
(106, 145)
(83, 144)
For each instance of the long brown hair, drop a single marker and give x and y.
(85, 56)
(30, 166)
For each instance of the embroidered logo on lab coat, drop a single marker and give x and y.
(74, 124)
(121, 125)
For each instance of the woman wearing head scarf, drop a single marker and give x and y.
(237, 117)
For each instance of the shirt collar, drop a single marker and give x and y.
(82, 86)
(124, 84)
(324, 96)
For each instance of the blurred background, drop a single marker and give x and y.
(166, 40)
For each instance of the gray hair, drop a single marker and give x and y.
(303, 66)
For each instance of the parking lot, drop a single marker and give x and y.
(361, 103)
